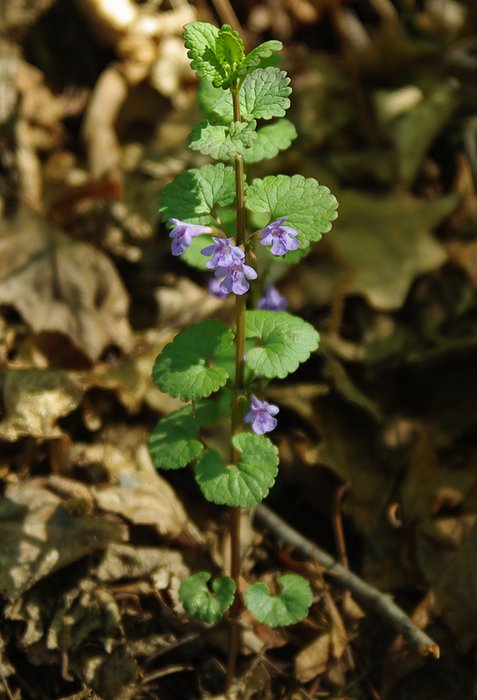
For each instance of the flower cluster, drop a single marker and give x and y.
(232, 274)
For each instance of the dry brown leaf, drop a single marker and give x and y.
(39, 536)
(123, 561)
(58, 284)
(386, 241)
(35, 399)
(456, 594)
(313, 659)
(138, 493)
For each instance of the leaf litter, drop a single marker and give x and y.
(95, 542)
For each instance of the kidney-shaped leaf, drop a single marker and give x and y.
(243, 484)
(174, 442)
(186, 367)
(287, 607)
(284, 342)
(198, 600)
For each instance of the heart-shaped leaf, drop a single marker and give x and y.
(284, 342)
(187, 367)
(243, 484)
(198, 600)
(286, 608)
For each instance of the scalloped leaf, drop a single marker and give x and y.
(186, 368)
(243, 484)
(286, 608)
(284, 342)
(215, 53)
(223, 142)
(264, 94)
(200, 38)
(174, 442)
(259, 56)
(271, 139)
(198, 600)
(229, 49)
(197, 192)
(309, 207)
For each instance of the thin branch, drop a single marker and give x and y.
(370, 597)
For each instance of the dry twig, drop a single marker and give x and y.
(370, 597)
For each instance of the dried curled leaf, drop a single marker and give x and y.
(58, 284)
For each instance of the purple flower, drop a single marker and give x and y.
(215, 290)
(261, 416)
(183, 233)
(280, 238)
(223, 252)
(234, 278)
(272, 300)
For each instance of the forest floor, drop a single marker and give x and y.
(378, 436)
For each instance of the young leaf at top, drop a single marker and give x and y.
(195, 193)
(264, 94)
(215, 53)
(186, 367)
(309, 207)
(200, 602)
(243, 484)
(174, 441)
(259, 56)
(284, 342)
(286, 608)
(230, 49)
(271, 139)
(223, 142)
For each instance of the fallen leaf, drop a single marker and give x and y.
(59, 284)
(456, 594)
(386, 241)
(39, 536)
(137, 492)
(313, 659)
(34, 400)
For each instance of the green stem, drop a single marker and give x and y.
(237, 412)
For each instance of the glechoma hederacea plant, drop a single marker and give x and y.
(215, 368)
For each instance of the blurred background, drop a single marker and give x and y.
(378, 430)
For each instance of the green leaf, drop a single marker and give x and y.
(264, 94)
(200, 38)
(215, 103)
(243, 484)
(186, 367)
(174, 441)
(271, 139)
(229, 49)
(258, 56)
(309, 207)
(200, 602)
(284, 342)
(215, 53)
(223, 142)
(286, 608)
(195, 193)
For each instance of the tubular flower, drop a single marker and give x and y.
(215, 290)
(234, 278)
(280, 238)
(183, 233)
(272, 300)
(223, 253)
(261, 416)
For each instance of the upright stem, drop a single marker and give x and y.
(237, 413)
